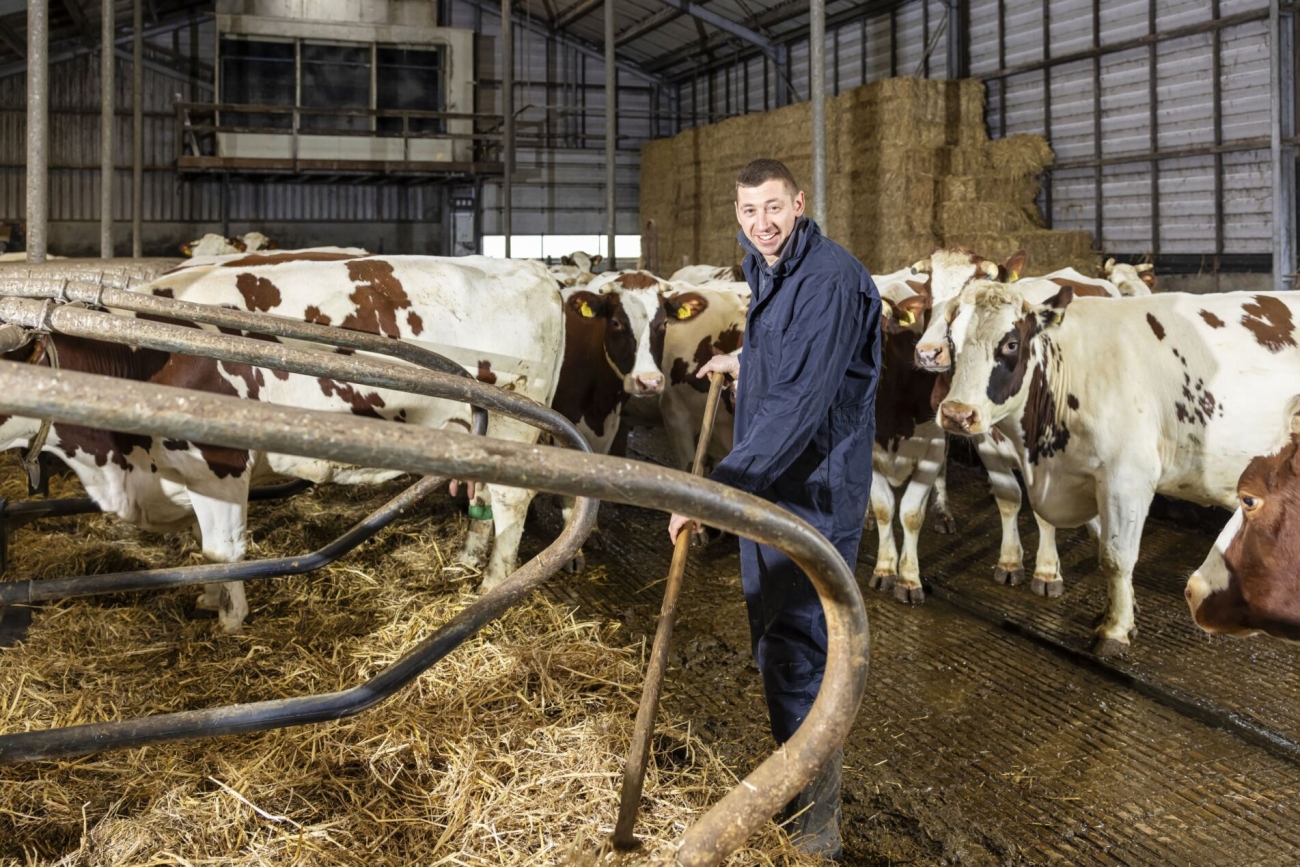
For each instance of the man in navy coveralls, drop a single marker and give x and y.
(805, 420)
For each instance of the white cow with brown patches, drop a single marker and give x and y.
(700, 275)
(499, 317)
(1132, 280)
(575, 269)
(1108, 402)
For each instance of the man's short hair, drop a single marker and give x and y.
(760, 172)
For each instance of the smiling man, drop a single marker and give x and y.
(805, 420)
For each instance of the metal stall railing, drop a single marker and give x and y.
(158, 410)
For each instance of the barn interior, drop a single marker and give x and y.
(1156, 133)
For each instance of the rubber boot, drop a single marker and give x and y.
(815, 826)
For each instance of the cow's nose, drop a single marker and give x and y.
(930, 356)
(649, 383)
(958, 417)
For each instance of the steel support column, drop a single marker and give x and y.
(38, 128)
(817, 75)
(107, 107)
(611, 132)
(1282, 74)
(508, 113)
(137, 132)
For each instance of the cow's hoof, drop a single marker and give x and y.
(883, 582)
(1049, 589)
(577, 564)
(1009, 577)
(909, 595)
(945, 525)
(1105, 648)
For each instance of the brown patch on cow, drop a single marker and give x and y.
(361, 404)
(636, 280)
(683, 372)
(1008, 374)
(1081, 290)
(1045, 433)
(378, 298)
(904, 393)
(485, 373)
(254, 259)
(1156, 327)
(1211, 320)
(1072, 402)
(316, 315)
(259, 293)
(1270, 321)
(588, 391)
(415, 323)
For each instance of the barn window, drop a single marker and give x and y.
(409, 79)
(335, 76)
(257, 72)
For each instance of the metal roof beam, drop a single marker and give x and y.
(19, 68)
(647, 25)
(165, 70)
(578, 10)
(723, 23)
(78, 17)
(15, 43)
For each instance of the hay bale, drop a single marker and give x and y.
(508, 752)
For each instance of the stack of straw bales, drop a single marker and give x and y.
(910, 168)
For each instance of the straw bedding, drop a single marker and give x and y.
(507, 752)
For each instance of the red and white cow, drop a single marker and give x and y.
(1110, 401)
(1250, 580)
(699, 275)
(500, 317)
(575, 269)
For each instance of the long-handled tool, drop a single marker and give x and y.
(639, 755)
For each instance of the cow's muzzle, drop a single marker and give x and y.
(959, 418)
(933, 356)
(647, 384)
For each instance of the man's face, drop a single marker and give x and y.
(767, 214)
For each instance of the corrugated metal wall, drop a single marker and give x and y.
(1171, 204)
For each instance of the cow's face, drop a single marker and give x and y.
(633, 320)
(992, 331)
(951, 272)
(1250, 581)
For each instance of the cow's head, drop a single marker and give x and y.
(1131, 279)
(632, 315)
(1250, 581)
(951, 272)
(581, 261)
(905, 315)
(992, 333)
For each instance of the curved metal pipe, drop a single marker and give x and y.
(98, 294)
(104, 402)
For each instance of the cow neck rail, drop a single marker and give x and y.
(144, 408)
(48, 589)
(102, 292)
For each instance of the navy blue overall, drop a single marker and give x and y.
(805, 420)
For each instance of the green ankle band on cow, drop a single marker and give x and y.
(480, 513)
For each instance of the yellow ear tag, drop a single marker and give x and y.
(684, 312)
(907, 318)
(1057, 316)
(1015, 275)
(586, 311)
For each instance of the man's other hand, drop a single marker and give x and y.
(677, 523)
(728, 364)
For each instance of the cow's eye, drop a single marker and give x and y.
(617, 325)
(1010, 347)
(1251, 503)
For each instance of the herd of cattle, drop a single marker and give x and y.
(1098, 392)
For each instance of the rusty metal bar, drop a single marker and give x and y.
(109, 290)
(131, 407)
(46, 589)
(639, 754)
(108, 100)
(137, 132)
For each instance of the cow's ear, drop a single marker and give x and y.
(238, 244)
(588, 305)
(1108, 267)
(922, 267)
(567, 260)
(909, 310)
(188, 248)
(1147, 274)
(1016, 265)
(596, 260)
(1052, 311)
(685, 305)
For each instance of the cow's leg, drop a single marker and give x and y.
(681, 424)
(1006, 491)
(1047, 563)
(478, 539)
(1124, 501)
(509, 508)
(222, 519)
(882, 507)
(912, 515)
(944, 523)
